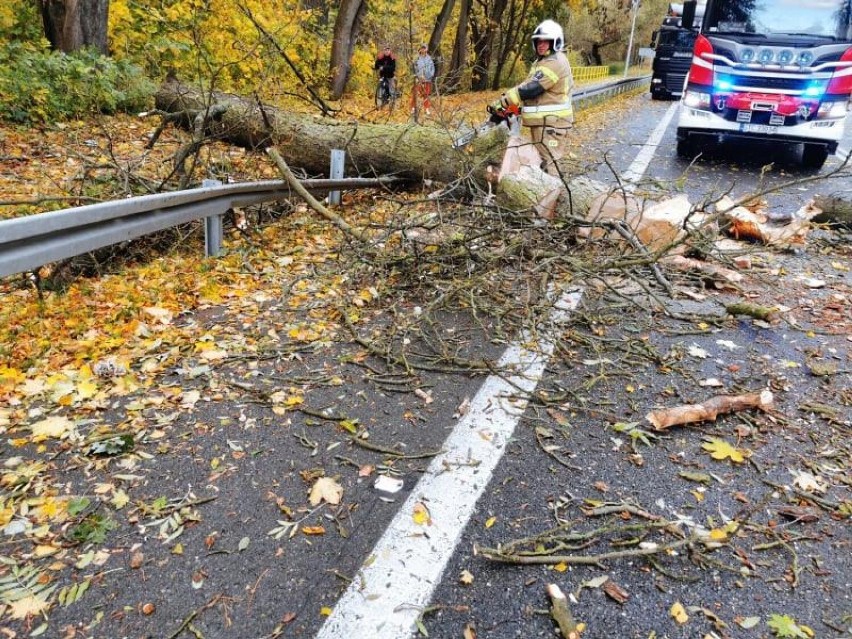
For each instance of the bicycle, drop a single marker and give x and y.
(384, 95)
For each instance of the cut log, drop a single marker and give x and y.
(834, 209)
(745, 224)
(306, 142)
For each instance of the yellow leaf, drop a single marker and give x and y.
(561, 567)
(466, 577)
(699, 496)
(421, 515)
(45, 550)
(27, 606)
(313, 530)
(678, 613)
(325, 611)
(55, 426)
(87, 389)
(119, 499)
(490, 522)
(720, 449)
(178, 549)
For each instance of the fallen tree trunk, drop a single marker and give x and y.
(306, 141)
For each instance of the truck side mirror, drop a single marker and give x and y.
(654, 39)
(687, 20)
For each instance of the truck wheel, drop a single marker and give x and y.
(814, 156)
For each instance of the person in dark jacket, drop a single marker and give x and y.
(386, 66)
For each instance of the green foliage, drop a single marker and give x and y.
(37, 85)
(78, 505)
(20, 22)
(92, 529)
(616, 68)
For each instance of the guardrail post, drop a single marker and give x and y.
(338, 157)
(212, 227)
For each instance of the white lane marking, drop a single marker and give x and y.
(406, 565)
(640, 164)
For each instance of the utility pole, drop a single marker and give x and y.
(634, 6)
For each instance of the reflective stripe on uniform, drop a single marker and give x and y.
(548, 108)
(550, 73)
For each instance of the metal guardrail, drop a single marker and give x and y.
(26, 243)
(592, 95)
(29, 242)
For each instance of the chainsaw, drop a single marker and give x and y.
(507, 115)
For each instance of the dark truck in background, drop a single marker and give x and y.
(672, 44)
(770, 71)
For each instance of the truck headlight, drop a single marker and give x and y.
(833, 109)
(696, 100)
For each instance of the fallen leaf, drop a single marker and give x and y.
(490, 522)
(785, 627)
(720, 449)
(421, 515)
(327, 490)
(809, 482)
(615, 592)
(469, 632)
(466, 577)
(55, 426)
(747, 622)
(678, 613)
(696, 351)
(27, 606)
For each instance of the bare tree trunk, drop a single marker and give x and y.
(484, 46)
(508, 48)
(346, 29)
(459, 59)
(438, 34)
(72, 24)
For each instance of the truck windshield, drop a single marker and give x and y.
(678, 38)
(813, 18)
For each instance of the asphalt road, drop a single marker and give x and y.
(235, 472)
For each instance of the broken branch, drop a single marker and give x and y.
(709, 410)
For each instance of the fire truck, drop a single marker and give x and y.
(672, 44)
(769, 71)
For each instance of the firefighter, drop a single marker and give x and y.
(544, 97)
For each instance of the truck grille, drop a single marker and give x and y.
(674, 82)
(777, 84)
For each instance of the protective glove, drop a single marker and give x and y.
(497, 106)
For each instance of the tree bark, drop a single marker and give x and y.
(305, 142)
(484, 45)
(346, 29)
(437, 35)
(459, 58)
(72, 24)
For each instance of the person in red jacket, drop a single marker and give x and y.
(386, 66)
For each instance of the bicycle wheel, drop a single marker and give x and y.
(382, 93)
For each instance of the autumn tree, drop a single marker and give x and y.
(73, 24)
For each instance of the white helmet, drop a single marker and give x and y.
(549, 30)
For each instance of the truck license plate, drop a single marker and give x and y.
(758, 128)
